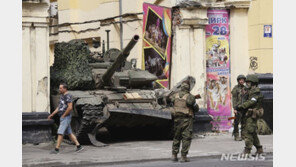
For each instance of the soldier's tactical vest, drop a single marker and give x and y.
(180, 105)
(257, 111)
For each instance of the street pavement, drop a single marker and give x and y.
(212, 161)
(207, 150)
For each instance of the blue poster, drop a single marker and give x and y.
(267, 31)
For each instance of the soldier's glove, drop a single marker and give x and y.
(197, 96)
(239, 107)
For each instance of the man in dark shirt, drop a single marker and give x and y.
(64, 112)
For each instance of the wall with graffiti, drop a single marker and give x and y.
(157, 42)
(218, 69)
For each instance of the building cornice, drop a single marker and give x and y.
(237, 3)
(195, 21)
(225, 4)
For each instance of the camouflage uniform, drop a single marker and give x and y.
(184, 108)
(239, 95)
(253, 105)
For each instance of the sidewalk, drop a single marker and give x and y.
(211, 145)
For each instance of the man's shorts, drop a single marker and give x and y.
(65, 126)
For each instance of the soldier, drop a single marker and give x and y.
(184, 108)
(253, 105)
(238, 96)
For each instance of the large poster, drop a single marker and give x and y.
(157, 42)
(218, 71)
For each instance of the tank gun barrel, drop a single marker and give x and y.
(106, 78)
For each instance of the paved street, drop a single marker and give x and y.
(200, 162)
(140, 151)
(212, 161)
(135, 151)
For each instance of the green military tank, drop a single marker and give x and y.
(122, 97)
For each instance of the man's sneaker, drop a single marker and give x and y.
(54, 151)
(80, 148)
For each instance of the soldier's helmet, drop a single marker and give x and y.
(241, 77)
(252, 78)
(185, 85)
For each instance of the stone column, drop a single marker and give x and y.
(189, 58)
(26, 69)
(42, 66)
(239, 56)
(188, 55)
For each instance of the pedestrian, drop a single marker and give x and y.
(184, 107)
(253, 105)
(64, 112)
(239, 95)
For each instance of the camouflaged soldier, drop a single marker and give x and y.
(183, 114)
(239, 95)
(253, 105)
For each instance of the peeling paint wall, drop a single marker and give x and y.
(35, 53)
(188, 56)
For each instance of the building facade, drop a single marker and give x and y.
(88, 20)
(35, 71)
(260, 24)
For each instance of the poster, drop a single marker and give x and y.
(267, 31)
(218, 69)
(157, 42)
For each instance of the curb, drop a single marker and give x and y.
(85, 163)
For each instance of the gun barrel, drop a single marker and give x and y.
(106, 78)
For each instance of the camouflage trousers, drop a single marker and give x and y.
(239, 119)
(183, 129)
(251, 136)
(236, 122)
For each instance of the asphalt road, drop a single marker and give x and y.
(214, 161)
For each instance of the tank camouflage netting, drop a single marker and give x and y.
(71, 65)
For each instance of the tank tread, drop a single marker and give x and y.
(89, 118)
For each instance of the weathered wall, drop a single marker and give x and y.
(239, 58)
(188, 57)
(35, 61)
(260, 48)
(71, 11)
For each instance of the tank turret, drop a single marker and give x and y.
(105, 80)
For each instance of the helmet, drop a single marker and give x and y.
(185, 86)
(241, 77)
(252, 78)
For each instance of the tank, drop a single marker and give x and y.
(123, 98)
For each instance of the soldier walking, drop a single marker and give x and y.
(184, 108)
(253, 105)
(239, 95)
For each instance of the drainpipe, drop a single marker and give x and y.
(103, 48)
(107, 38)
(121, 30)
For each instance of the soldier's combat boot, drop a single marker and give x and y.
(247, 151)
(174, 158)
(259, 150)
(237, 138)
(184, 159)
